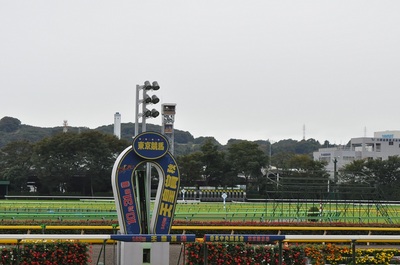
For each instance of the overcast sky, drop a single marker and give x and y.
(255, 69)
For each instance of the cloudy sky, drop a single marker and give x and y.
(257, 69)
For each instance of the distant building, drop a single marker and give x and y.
(383, 145)
(117, 125)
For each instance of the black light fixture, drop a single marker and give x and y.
(146, 100)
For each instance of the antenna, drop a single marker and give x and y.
(65, 125)
(304, 131)
(365, 131)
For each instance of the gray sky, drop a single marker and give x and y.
(252, 70)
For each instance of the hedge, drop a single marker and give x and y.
(241, 253)
(49, 253)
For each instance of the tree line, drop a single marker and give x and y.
(11, 130)
(374, 178)
(81, 164)
(77, 163)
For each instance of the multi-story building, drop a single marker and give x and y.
(383, 145)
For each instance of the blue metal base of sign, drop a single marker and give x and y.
(154, 238)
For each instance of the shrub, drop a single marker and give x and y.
(46, 253)
(240, 253)
(313, 212)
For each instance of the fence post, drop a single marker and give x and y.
(280, 252)
(205, 252)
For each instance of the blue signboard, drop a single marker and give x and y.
(151, 148)
(125, 192)
(150, 145)
(165, 202)
(242, 238)
(155, 238)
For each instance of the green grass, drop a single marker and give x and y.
(271, 211)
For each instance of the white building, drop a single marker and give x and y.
(117, 125)
(381, 146)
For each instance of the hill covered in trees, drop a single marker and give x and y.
(80, 161)
(11, 130)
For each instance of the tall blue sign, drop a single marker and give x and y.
(153, 148)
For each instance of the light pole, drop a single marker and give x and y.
(335, 170)
(145, 100)
(335, 178)
(270, 154)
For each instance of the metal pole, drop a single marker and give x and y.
(335, 170)
(137, 111)
(104, 253)
(205, 253)
(147, 187)
(280, 252)
(270, 154)
(143, 112)
(172, 149)
(148, 195)
(353, 251)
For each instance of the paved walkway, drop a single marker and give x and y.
(175, 255)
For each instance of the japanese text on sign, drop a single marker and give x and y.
(170, 192)
(242, 238)
(156, 146)
(128, 203)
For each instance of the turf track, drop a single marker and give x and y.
(192, 211)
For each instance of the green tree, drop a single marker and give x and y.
(284, 146)
(99, 154)
(16, 164)
(213, 163)
(247, 160)
(303, 178)
(304, 162)
(387, 173)
(9, 124)
(208, 166)
(356, 171)
(380, 177)
(230, 177)
(77, 162)
(307, 146)
(357, 180)
(281, 160)
(191, 168)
